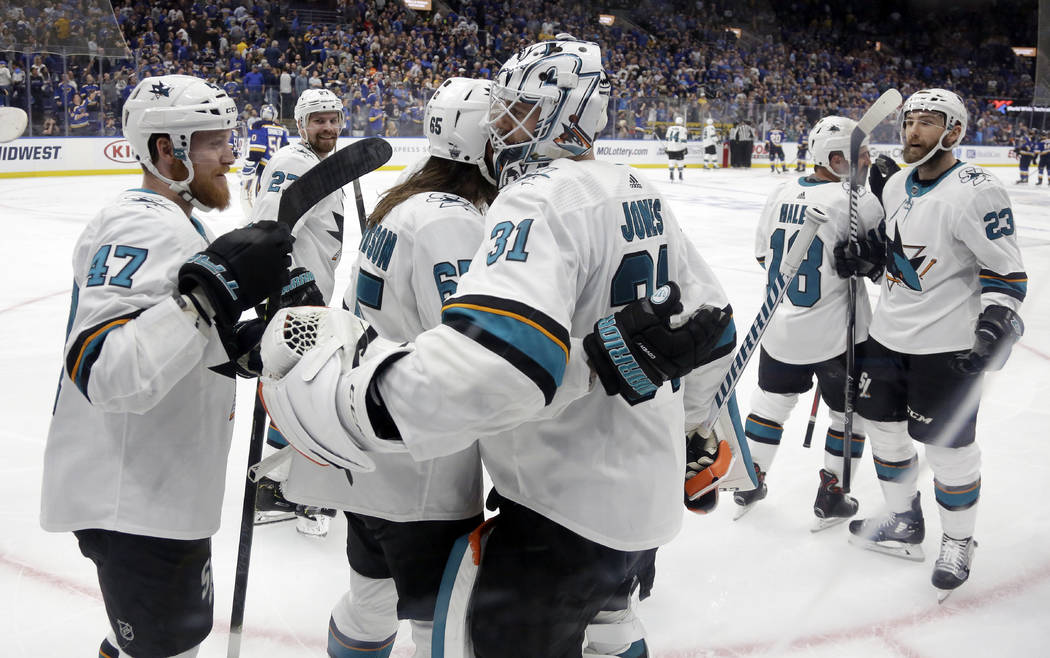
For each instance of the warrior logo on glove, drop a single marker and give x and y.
(635, 350)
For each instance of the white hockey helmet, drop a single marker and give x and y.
(454, 122)
(176, 106)
(831, 135)
(564, 82)
(678, 121)
(268, 113)
(943, 102)
(315, 100)
(710, 121)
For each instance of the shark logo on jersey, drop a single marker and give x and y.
(903, 262)
(151, 201)
(972, 175)
(448, 200)
(338, 232)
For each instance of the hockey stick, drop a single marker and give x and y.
(329, 175)
(812, 419)
(359, 199)
(888, 102)
(740, 473)
(13, 122)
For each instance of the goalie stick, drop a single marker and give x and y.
(12, 123)
(887, 103)
(740, 474)
(331, 174)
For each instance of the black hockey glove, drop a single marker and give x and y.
(635, 350)
(239, 269)
(700, 455)
(883, 167)
(998, 329)
(242, 346)
(865, 257)
(301, 290)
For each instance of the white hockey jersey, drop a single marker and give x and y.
(952, 252)
(710, 136)
(810, 325)
(677, 138)
(319, 234)
(564, 247)
(141, 429)
(406, 268)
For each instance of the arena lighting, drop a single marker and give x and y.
(735, 30)
(1024, 51)
(418, 5)
(606, 19)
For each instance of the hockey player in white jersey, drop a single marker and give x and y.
(807, 335)
(318, 250)
(676, 143)
(571, 243)
(403, 518)
(135, 462)
(948, 311)
(710, 137)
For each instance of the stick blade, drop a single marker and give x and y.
(13, 122)
(331, 174)
(883, 106)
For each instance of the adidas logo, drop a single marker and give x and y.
(633, 182)
(801, 195)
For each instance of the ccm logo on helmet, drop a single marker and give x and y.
(119, 151)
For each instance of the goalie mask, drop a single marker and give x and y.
(176, 106)
(943, 102)
(831, 135)
(268, 113)
(548, 101)
(454, 122)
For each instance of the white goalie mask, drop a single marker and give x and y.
(831, 135)
(549, 101)
(454, 122)
(268, 113)
(943, 102)
(176, 106)
(315, 100)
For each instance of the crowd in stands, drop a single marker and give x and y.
(783, 64)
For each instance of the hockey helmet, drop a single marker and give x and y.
(678, 121)
(176, 106)
(830, 135)
(454, 122)
(559, 85)
(315, 100)
(943, 102)
(268, 113)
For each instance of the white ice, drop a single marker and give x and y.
(760, 586)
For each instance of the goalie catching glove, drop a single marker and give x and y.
(319, 366)
(635, 350)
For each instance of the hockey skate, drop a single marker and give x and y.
(953, 565)
(831, 506)
(747, 499)
(899, 535)
(313, 521)
(270, 504)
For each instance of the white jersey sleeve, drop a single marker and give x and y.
(141, 427)
(319, 233)
(810, 325)
(562, 248)
(407, 266)
(952, 252)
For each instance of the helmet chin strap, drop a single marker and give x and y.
(932, 152)
(182, 188)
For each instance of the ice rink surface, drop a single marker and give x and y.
(760, 586)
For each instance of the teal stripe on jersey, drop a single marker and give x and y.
(526, 338)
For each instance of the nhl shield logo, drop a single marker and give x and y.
(126, 632)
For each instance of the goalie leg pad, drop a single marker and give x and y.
(451, 637)
(740, 474)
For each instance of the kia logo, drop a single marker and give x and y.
(120, 151)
